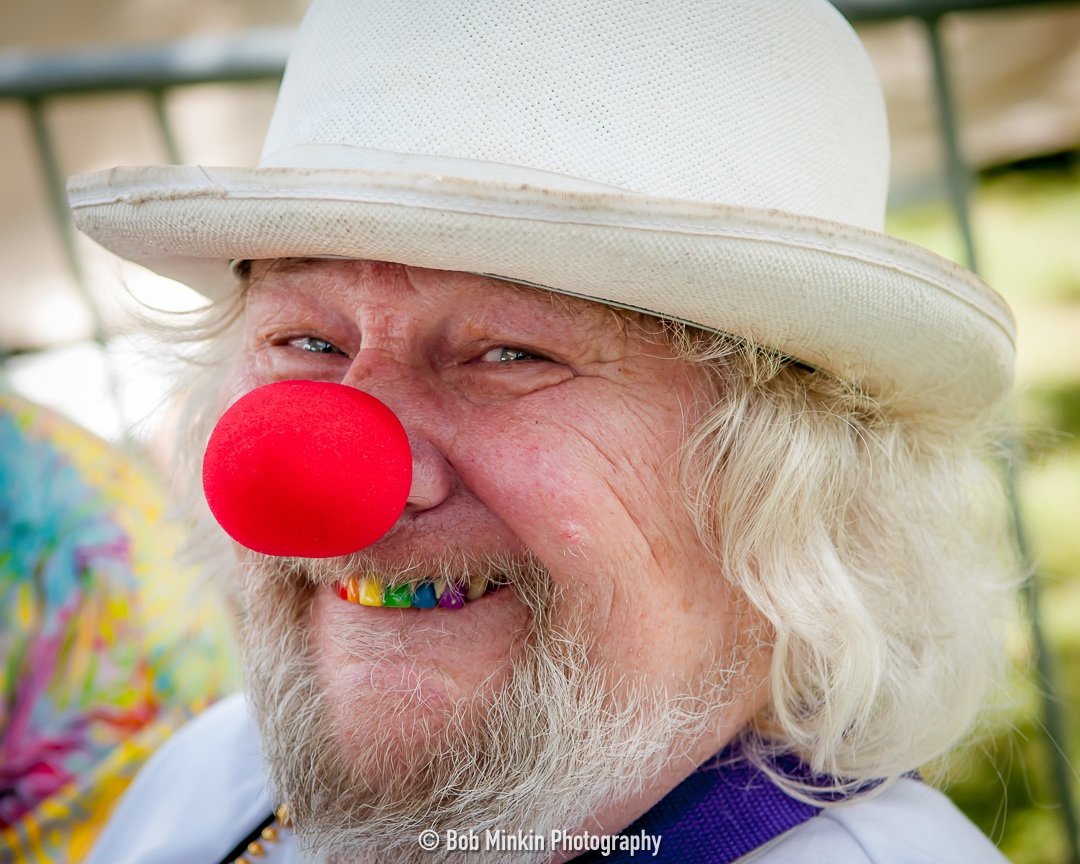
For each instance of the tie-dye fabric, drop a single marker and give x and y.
(107, 645)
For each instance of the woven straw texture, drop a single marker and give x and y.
(722, 163)
(650, 96)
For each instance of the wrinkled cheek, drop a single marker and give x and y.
(562, 503)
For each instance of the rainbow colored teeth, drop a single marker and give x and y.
(368, 593)
(477, 588)
(452, 597)
(397, 595)
(424, 597)
(365, 591)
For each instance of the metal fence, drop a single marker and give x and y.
(259, 55)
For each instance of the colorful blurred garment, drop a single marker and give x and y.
(107, 645)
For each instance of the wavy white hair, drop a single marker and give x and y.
(875, 543)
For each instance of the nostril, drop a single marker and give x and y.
(308, 469)
(432, 477)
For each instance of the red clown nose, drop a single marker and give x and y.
(307, 469)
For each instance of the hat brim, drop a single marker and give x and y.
(897, 320)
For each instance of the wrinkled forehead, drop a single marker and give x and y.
(588, 315)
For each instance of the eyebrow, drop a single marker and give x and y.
(586, 315)
(292, 265)
(273, 265)
(585, 312)
(589, 319)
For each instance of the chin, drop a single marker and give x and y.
(380, 723)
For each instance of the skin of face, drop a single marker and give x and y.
(537, 422)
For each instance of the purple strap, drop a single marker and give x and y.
(719, 813)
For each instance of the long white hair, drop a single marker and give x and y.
(874, 542)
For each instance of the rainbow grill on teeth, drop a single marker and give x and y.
(365, 591)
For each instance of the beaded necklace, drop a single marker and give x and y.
(254, 846)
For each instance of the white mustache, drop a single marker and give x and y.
(524, 571)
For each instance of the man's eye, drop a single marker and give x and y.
(315, 345)
(502, 354)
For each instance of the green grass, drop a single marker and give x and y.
(1028, 242)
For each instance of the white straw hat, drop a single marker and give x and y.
(720, 162)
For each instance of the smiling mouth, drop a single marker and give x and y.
(367, 591)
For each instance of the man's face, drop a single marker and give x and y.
(545, 435)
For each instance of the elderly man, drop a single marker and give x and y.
(700, 559)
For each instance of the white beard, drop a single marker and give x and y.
(551, 747)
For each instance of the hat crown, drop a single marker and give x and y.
(767, 104)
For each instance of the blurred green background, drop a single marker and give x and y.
(1027, 228)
